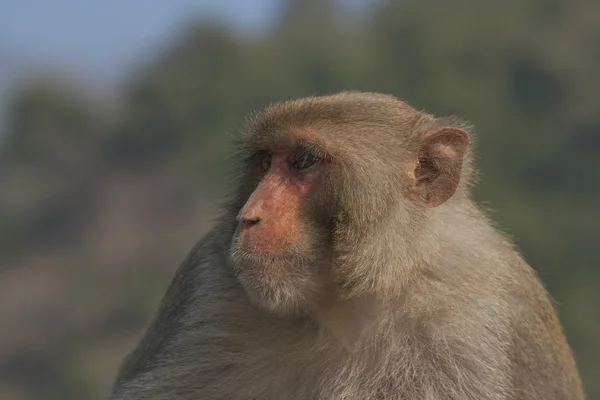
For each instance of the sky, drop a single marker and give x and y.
(104, 37)
(100, 41)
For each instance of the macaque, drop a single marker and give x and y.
(351, 263)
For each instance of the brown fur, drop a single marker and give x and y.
(408, 293)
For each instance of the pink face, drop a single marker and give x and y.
(269, 222)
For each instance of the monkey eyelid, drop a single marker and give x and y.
(304, 159)
(315, 148)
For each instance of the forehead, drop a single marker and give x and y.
(323, 120)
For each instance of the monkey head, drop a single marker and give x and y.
(331, 188)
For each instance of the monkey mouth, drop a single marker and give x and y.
(247, 257)
(247, 254)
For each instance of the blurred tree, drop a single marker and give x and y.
(52, 143)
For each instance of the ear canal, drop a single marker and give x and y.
(439, 167)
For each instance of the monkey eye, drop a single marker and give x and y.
(262, 159)
(304, 159)
(265, 161)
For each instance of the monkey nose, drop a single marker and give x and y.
(248, 222)
(249, 217)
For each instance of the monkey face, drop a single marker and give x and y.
(277, 248)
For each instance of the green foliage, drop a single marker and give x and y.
(525, 73)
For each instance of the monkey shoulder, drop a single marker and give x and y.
(189, 284)
(541, 358)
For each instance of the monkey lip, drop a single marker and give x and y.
(255, 256)
(244, 255)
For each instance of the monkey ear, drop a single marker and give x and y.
(439, 165)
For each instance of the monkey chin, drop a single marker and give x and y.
(283, 285)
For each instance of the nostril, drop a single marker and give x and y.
(248, 222)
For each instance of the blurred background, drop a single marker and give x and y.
(116, 117)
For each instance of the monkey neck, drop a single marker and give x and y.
(351, 321)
